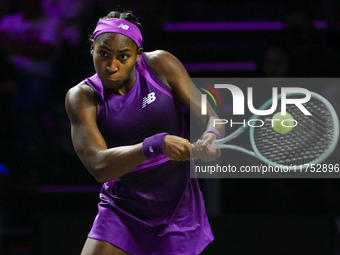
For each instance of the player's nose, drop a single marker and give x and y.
(112, 66)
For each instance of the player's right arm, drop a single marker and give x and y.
(103, 163)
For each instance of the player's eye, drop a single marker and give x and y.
(103, 53)
(124, 57)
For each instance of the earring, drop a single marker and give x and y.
(92, 52)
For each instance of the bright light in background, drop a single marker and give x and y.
(232, 26)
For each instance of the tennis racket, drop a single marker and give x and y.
(311, 141)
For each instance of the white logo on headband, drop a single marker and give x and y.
(125, 27)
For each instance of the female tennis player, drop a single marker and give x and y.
(127, 128)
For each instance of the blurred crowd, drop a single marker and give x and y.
(44, 51)
(302, 50)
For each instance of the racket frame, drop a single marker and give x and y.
(220, 144)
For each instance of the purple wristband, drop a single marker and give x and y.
(214, 131)
(153, 145)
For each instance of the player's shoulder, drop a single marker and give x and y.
(157, 54)
(158, 57)
(162, 62)
(80, 88)
(81, 91)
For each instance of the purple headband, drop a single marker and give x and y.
(120, 26)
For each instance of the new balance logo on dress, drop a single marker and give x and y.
(125, 27)
(149, 99)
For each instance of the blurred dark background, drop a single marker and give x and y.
(48, 199)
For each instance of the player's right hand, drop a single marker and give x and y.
(176, 148)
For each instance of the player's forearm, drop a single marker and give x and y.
(109, 164)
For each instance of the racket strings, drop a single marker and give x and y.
(308, 140)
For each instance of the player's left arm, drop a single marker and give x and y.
(171, 71)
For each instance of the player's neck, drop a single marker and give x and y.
(126, 86)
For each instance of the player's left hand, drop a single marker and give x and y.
(202, 149)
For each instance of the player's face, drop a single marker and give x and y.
(115, 57)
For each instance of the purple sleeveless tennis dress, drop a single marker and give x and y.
(156, 209)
